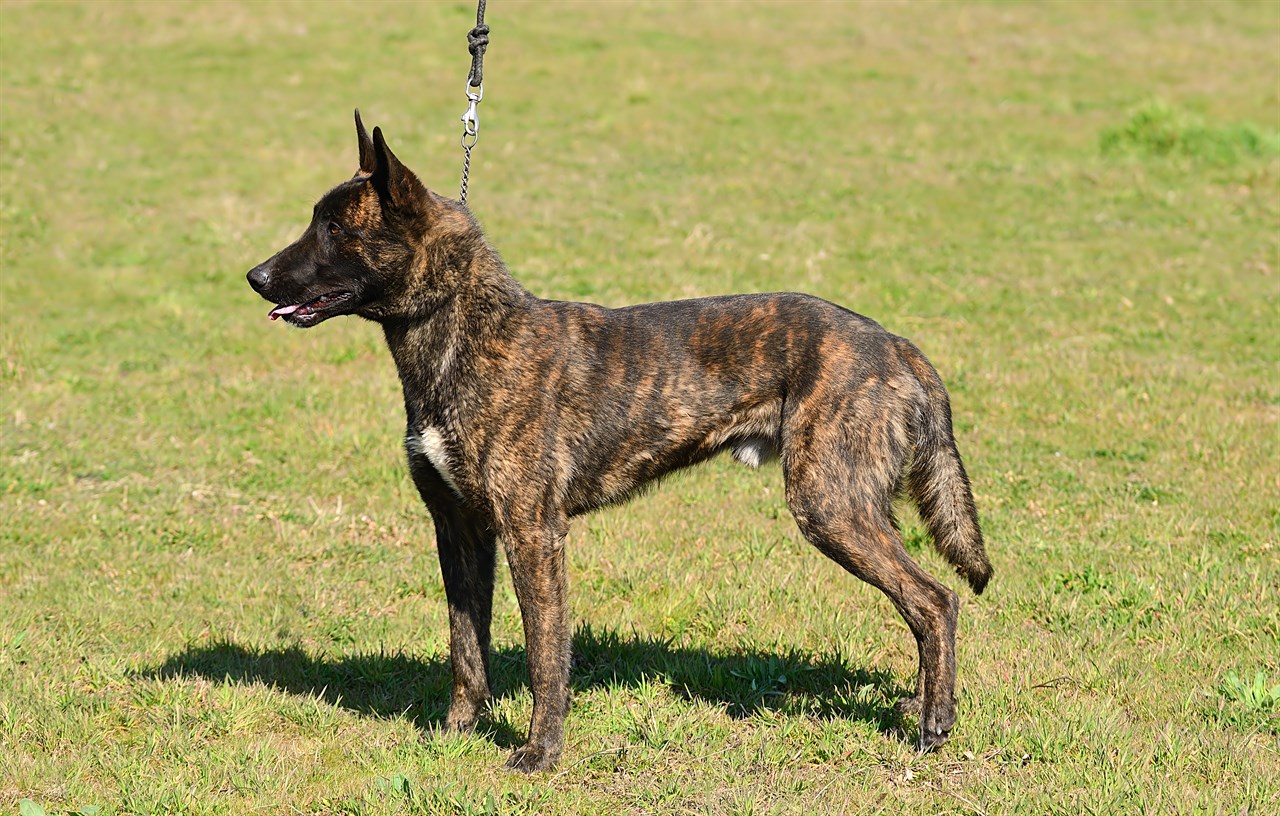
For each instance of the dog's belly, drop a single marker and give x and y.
(618, 465)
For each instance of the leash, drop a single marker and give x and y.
(477, 42)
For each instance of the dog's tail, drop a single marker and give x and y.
(937, 482)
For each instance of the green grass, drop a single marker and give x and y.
(218, 590)
(1157, 128)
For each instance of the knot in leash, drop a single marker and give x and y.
(477, 42)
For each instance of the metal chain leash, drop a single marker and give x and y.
(477, 42)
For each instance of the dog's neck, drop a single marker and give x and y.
(436, 346)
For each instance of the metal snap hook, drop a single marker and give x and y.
(471, 117)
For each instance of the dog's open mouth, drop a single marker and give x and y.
(302, 314)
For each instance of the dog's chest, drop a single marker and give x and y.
(429, 442)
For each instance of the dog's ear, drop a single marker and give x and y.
(396, 184)
(368, 158)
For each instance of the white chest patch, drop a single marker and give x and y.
(430, 444)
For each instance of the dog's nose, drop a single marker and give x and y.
(258, 277)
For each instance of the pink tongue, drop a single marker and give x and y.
(284, 310)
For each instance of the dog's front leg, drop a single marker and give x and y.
(536, 556)
(467, 551)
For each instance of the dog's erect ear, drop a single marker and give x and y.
(367, 154)
(395, 183)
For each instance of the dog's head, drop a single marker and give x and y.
(366, 248)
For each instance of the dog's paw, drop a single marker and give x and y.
(463, 714)
(462, 722)
(935, 727)
(530, 758)
(931, 739)
(459, 725)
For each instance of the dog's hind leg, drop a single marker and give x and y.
(840, 492)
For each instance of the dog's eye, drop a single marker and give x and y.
(334, 229)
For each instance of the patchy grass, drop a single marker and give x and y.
(1157, 128)
(217, 588)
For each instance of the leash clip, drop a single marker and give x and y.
(471, 118)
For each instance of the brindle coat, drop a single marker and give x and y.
(523, 413)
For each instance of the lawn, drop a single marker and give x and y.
(218, 589)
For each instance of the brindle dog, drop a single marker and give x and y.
(523, 413)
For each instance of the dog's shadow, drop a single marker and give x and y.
(392, 684)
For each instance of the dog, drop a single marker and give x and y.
(523, 413)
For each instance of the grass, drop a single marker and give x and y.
(1157, 128)
(217, 588)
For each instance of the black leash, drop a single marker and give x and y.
(477, 42)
